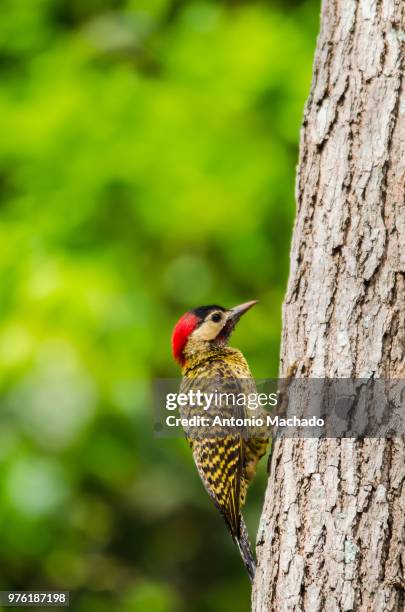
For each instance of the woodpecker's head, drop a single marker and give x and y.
(205, 327)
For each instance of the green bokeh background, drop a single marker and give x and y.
(147, 159)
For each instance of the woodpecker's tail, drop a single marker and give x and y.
(245, 550)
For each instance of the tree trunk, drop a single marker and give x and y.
(333, 526)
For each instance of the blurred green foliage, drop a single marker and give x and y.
(147, 165)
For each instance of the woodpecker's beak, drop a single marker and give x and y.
(233, 315)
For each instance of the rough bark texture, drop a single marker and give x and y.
(333, 527)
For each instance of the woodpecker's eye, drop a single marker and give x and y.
(216, 317)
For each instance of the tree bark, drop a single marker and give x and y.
(333, 526)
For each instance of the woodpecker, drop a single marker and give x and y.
(226, 463)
